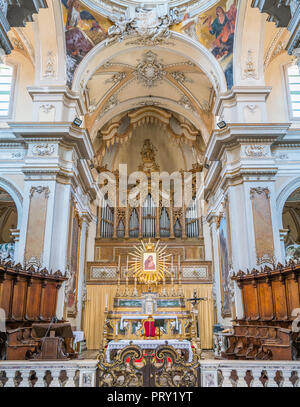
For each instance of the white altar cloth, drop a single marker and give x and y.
(149, 344)
(127, 317)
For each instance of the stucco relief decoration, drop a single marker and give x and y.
(50, 65)
(43, 149)
(255, 151)
(149, 23)
(215, 29)
(47, 108)
(250, 70)
(259, 191)
(39, 190)
(149, 71)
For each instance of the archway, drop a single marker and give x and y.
(8, 225)
(291, 224)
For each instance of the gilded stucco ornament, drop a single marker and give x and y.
(149, 72)
(145, 22)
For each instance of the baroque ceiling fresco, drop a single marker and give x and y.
(213, 28)
(150, 85)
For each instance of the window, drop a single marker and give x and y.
(6, 81)
(293, 76)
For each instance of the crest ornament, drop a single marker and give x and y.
(149, 71)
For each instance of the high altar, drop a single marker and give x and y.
(151, 312)
(110, 281)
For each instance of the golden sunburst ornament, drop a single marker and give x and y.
(149, 263)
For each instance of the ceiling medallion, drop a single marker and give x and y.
(149, 71)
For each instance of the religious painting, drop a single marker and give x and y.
(215, 29)
(262, 222)
(149, 261)
(83, 30)
(71, 291)
(224, 268)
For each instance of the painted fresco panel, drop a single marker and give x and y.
(215, 29)
(224, 268)
(83, 30)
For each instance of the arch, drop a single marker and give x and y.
(16, 195)
(250, 34)
(193, 50)
(284, 195)
(165, 102)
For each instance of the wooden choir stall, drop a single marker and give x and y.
(29, 299)
(271, 302)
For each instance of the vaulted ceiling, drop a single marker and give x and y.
(148, 77)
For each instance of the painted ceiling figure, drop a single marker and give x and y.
(77, 41)
(223, 27)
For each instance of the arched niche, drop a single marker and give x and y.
(291, 224)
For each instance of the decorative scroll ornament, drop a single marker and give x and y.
(124, 371)
(255, 151)
(47, 108)
(50, 64)
(259, 191)
(145, 22)
(40, 189)
(43, 149)
(150, 263)
(250, 70)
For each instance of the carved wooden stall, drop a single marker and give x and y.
(271, 298)
(28, 298)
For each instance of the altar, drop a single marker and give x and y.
(152, 311)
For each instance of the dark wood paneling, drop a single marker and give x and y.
(48, 302)
(265, 301)
(279, 299)
(250, 298)
(19, 299)
(33, 300)
(6, 296)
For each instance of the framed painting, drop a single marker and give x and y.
(149, 261)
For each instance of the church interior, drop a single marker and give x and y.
(149, 193)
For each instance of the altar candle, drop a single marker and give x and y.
(179, 264)
(127, 264)
(119, 265)
(106, 301)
